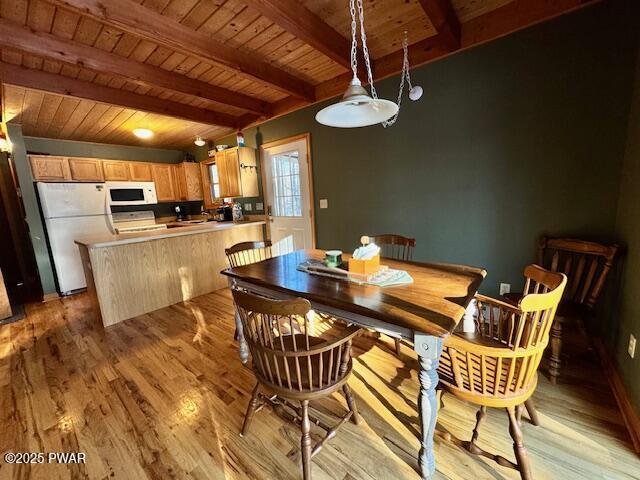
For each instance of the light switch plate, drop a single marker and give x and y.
(324, 203)
(259, 206)
(632, 346)
(505, 288)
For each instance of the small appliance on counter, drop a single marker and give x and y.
(237, 212)
(224, 214)
(181, 213)
(130, 222)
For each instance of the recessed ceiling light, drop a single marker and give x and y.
(143, 133)
(199, 142)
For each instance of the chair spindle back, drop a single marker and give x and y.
(586, 264)
(286, 357)
(246, 253)
(394, 246)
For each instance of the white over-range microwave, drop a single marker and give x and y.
(131, 193)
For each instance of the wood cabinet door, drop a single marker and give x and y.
(86, 169)
(180, 182)
(140, 172)
(233, 171)
(207, 187)
(223, 176)
(193, 181)
(50, 169)
(115, 170)
(163, 177)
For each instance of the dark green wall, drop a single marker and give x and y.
(512, 139)
(626, 319)
(70, 148)
(21, 145)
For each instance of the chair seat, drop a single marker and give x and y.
(331, 376)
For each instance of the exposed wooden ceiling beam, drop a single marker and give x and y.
(39, 80)
(444, 20)
(47, 45)
(509, 18)
(307, 26)
(131, 17)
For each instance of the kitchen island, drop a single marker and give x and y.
(136, 273)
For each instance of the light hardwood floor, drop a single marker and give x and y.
(163, 396)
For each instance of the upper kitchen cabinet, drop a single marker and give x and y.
(115, 170)
(164, 177)
(50, 169)
(188, 181)
(86, 169)
(140, 172)
(237, 172)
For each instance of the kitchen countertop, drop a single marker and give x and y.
(108, 240)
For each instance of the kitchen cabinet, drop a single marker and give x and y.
(50, 169)
(86, 169)
(207, 185)
(164, 177)
(237, 172)
(188, 182)
(140, 172)
(115, 170)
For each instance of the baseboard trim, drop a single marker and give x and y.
(47, 297)
(629, 414)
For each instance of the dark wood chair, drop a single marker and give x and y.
(395, 247)
(587, 265)
(245, 253)
(496, 366)
(292, 366)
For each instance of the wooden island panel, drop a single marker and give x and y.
(130, 279)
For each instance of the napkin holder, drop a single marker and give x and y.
(364, 267)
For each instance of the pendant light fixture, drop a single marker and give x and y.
(199, 141)
(357, 108)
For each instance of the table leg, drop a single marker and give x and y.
(242, 342)
(428, 349)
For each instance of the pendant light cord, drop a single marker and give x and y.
(365, 50)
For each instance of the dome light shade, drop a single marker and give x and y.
(356, 109)
(143, 133)
(199, 142)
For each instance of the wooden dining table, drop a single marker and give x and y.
(423, 312)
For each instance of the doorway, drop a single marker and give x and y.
(288, 193)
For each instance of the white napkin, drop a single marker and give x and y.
(366, 252)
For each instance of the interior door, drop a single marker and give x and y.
(287, 192)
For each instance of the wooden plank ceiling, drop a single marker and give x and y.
(93, 70)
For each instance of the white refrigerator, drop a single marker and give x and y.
(72, 210)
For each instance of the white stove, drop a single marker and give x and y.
(131, 222)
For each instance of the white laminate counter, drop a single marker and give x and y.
(108, 240)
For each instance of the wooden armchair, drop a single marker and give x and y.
(497, 365)
(246, 253)
(293, 368)
(395, 247)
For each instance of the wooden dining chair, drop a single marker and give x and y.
(395, 247)
(245, 253)
(587, 265)
(294, 368)
(496, 366)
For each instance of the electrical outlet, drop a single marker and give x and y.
(505, 288)
(324, 203)
(247, 207)
(632, 346)
(259, 206)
